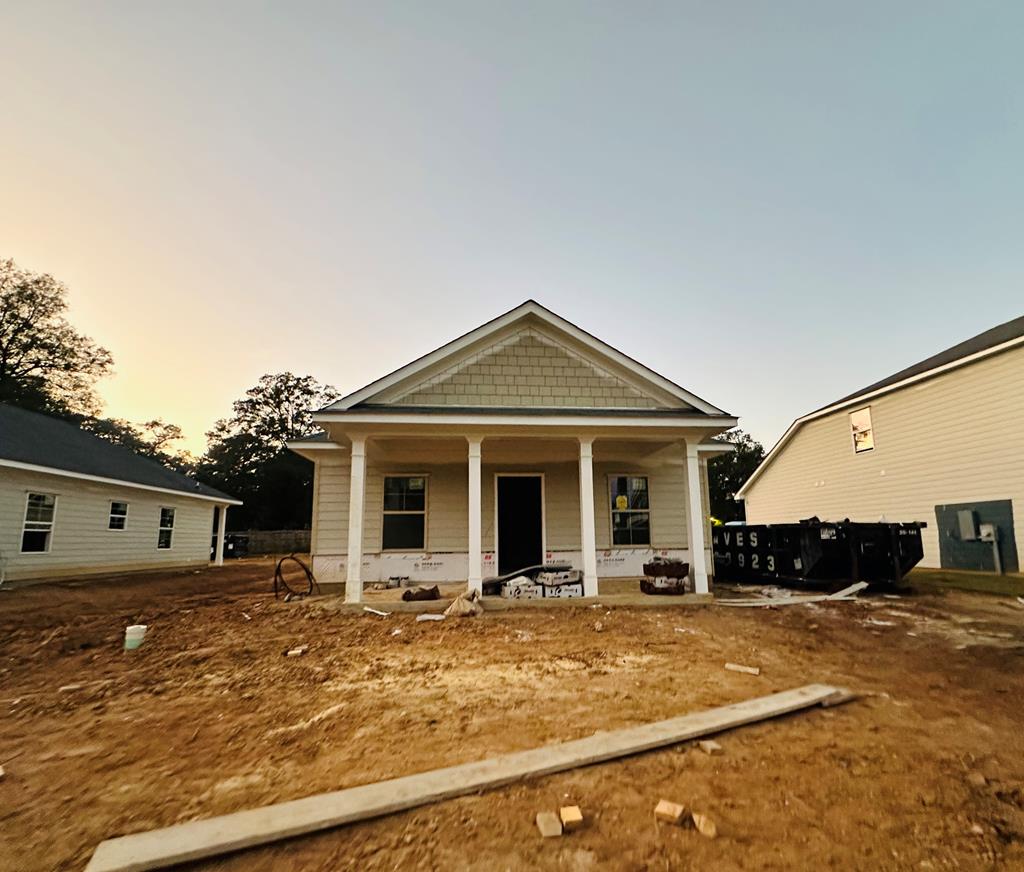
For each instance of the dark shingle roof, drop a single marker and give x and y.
(989, 339)
(28, 437)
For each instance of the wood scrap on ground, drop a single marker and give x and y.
(847, 593)
(571, 817)
(739, 667)
(549, 824)
(214, 836)
(670, 812)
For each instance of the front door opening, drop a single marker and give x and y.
(520, 522)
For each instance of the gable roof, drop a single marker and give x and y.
(989, 342)
(35, 441)
(530, 309)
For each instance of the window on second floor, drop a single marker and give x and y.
(860, 427)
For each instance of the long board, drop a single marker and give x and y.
(210, 837)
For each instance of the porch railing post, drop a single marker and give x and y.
(222, 525)
(475, 510)
(695, 515)
(588, 539)
(357, 490)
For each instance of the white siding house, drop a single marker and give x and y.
(941, 442)
(524, 441)
(72, 504)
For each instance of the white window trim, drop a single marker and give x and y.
(426, 508)
(111, 515)
(611, 511)
(24, 523)
(853, 438)
(543, 512)
(160, 527)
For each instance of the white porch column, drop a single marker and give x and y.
(476, 571)
(695, 514)
(588, 539)
(357, 487)
(222, 525)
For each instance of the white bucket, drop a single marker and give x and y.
(133, 636)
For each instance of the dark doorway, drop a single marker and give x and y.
(520, 523)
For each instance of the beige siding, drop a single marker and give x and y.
(956, 438)
(330, 509)
(81, 542)
(447, 504)
(527, 370)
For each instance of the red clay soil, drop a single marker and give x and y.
(924, 771)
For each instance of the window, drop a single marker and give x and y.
(118, 515)
(860, 426)
(405, 512)
(38, 529)
(166, 528)
(631, 510)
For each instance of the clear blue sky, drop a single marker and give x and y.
(770, 203)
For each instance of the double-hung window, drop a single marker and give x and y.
(405, 513)
(118, 515)
(38, 530)
(631, 510)
(166, 533)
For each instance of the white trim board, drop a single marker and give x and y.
(50, 470)
(483, 419)
(530, 307)
(867, 397)
(195, 840)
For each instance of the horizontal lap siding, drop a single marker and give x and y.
(331, 507)
(955, 438)
(448, 510)
(81, 541)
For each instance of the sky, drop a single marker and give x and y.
(772, 204)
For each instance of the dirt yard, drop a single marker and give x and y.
(925, 771)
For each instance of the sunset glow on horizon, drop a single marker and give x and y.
(337, 189)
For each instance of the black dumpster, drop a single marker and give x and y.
(817, 551)
(235, 545)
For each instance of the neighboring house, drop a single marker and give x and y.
(526, 440)
(941, 442)
(73, 504)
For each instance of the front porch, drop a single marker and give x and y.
(453, 508)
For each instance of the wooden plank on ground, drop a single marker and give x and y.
(847, 593)
(195, 840)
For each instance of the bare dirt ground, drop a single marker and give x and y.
(208, 717)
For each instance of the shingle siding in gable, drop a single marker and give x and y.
(527, 372)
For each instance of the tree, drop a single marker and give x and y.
(45, 364)
(728, 472)
(246, 455)
(152, 439)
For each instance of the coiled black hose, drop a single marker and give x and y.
(281, 587)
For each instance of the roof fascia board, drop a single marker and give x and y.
(681, 420)
(502, 321)
(52, 470)
(870, 395)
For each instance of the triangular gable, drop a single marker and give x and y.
(528, 368)
(527, 357)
